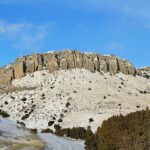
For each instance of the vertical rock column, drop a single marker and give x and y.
(19, 67)
(34, 63)
(50, 62)
(103, 63)
(6, 76)
(113, 64)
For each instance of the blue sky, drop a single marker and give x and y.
(119, 27)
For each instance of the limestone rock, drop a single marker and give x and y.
(70, 59)
(122, 66)
(96, 62)
(21, 59)
(88, 62)
(103, 63)
(144, 72)
(40, 63)
(130, 68)
(113, 64)
(34, 63)
(66, 60)
(50, 61)
(19, 69)
(6, 76)
(30, 64)
(78, 59)
(139, 72)
(62, 58)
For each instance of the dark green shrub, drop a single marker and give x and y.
(57, 127)
(33, 130)
(47, 130)
(50, 123)
(4, 114)
(68, 104)
(131, 132)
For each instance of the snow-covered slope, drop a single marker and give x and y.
(11, 130)
(15, 137)
(71, 97)
(58, 143)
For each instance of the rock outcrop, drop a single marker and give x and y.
(19, 70)
(145, 72)
(6, 76)
(65, 60)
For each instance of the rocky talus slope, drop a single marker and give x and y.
(64, 60)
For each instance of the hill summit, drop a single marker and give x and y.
(54, 61)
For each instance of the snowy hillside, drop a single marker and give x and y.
(75, 97)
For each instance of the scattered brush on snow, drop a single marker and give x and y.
(69, 98)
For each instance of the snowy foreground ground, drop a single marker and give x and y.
(15, 137)
(57, 143)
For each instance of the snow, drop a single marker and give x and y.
(84, 91)
(11, 130)
(58, 143)
(88, 52)
(15, 136)
(50, 51)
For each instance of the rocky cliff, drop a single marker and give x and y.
(65, 60)
(145, 72)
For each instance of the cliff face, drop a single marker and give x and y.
(64, 60)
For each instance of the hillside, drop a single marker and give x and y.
(70, 89)
(73, 97)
